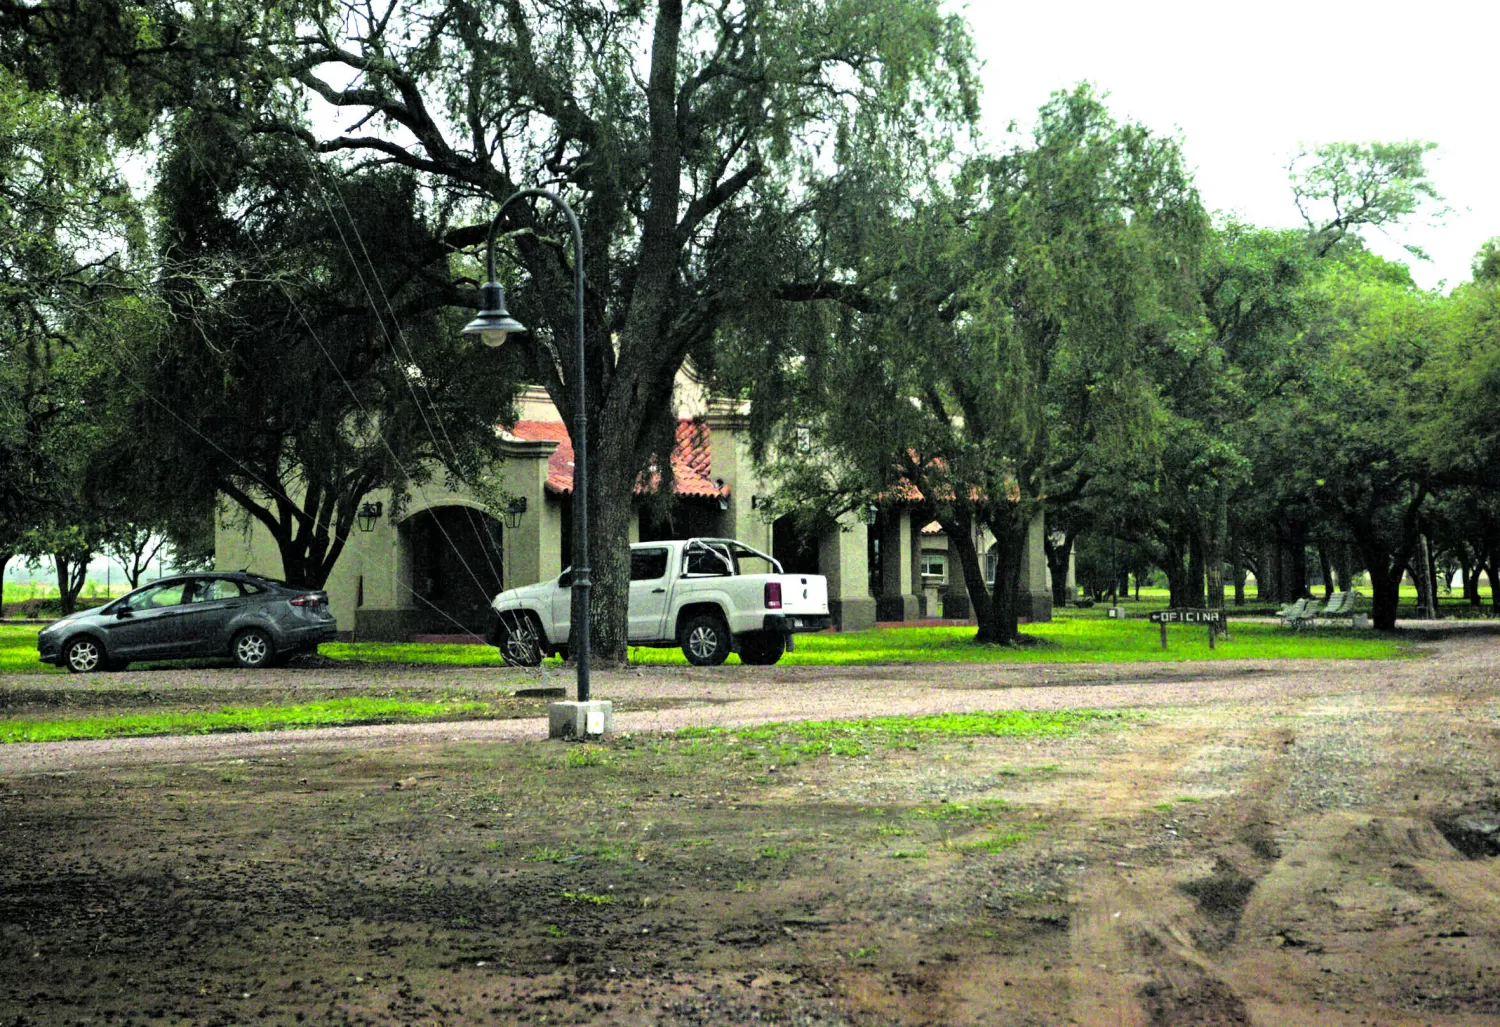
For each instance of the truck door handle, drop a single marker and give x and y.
(657, 591)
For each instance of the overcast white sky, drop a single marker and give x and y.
(1247, 84)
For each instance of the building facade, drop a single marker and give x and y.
(431, 563)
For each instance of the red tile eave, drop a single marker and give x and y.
(692, 459)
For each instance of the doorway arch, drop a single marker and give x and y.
(457, 566)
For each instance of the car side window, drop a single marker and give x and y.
(647, 564)
(212, 589)
(160, 596)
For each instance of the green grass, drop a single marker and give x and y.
(1074, 639)
(906, 730)
(246, 718)
(1082, 636)
(456, 655)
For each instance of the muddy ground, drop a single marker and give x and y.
(1259, 845)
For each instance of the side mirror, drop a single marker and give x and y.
(124, 612)
(565, 581)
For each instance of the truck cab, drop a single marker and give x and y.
(710, 596)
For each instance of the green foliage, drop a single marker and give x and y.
(994, 362)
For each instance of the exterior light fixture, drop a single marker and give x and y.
(369, 513)
(494, 324)
(514, 510)
(871, 512)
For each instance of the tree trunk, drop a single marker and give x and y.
(1326, 565)
(71, 576)
(959, 527)
(1344, 565)
(4, 559)
(1491, 573)
(1267, 575)
(1177, 574)
(1010, 531)
(1386, 586)
(1214, 545)
(1193, 596)
(610, 512)
(1238, 574)
(1471, 583)
(1057, 563)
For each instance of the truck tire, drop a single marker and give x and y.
(519, 641)
(704, 640)
(762, 648)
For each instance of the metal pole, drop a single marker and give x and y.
(582, 584)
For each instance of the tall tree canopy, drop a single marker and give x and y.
(997, 362)
(703, 144)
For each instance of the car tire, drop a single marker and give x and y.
(253, 649)
(762, 649)
(519, 641)
(84, 655)
(704, 640)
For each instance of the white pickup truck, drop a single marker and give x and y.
(703, 594)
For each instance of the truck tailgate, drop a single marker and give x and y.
(803, 593)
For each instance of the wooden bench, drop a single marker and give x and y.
(1297, 615)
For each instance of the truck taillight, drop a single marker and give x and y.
(773, 595)
(310, 599)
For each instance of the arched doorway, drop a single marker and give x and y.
(457, 567)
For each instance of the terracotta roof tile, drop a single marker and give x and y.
(692, 459)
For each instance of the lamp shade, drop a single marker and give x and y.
(493, 323)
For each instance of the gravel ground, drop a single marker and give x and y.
(1463, 656)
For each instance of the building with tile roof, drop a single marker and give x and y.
(430, 562)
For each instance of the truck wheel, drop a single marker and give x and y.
(704, 640)
(763, 648)
(520, 646)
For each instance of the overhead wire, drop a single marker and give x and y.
(400, 333)
(313, 334)
(271, 490)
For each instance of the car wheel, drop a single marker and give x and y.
(253, 649)
(704, 640)
(519, 642)
(84, 655)
(763, 649)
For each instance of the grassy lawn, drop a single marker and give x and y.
(1074, 639)
(332, 712)
(1083, 636)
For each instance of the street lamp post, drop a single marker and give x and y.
(494, 323)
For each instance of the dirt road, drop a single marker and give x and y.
(1268, 843)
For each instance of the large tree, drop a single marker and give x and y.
(305, 358)
(996, 362)
(701, 143)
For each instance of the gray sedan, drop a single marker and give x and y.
(253, 620)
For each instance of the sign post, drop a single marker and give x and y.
(1213, 618)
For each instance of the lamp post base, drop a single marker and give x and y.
(590, 719)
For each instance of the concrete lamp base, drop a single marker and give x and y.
(580, 719)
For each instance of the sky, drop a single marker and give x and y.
(1247, 86)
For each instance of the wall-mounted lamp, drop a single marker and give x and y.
(871, 512)
(369, 513)
(514, 510)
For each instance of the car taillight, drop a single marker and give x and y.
(310, 599)
(773, 595)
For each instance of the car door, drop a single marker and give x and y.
(648, 593)
(148, 623)
(214, 603)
